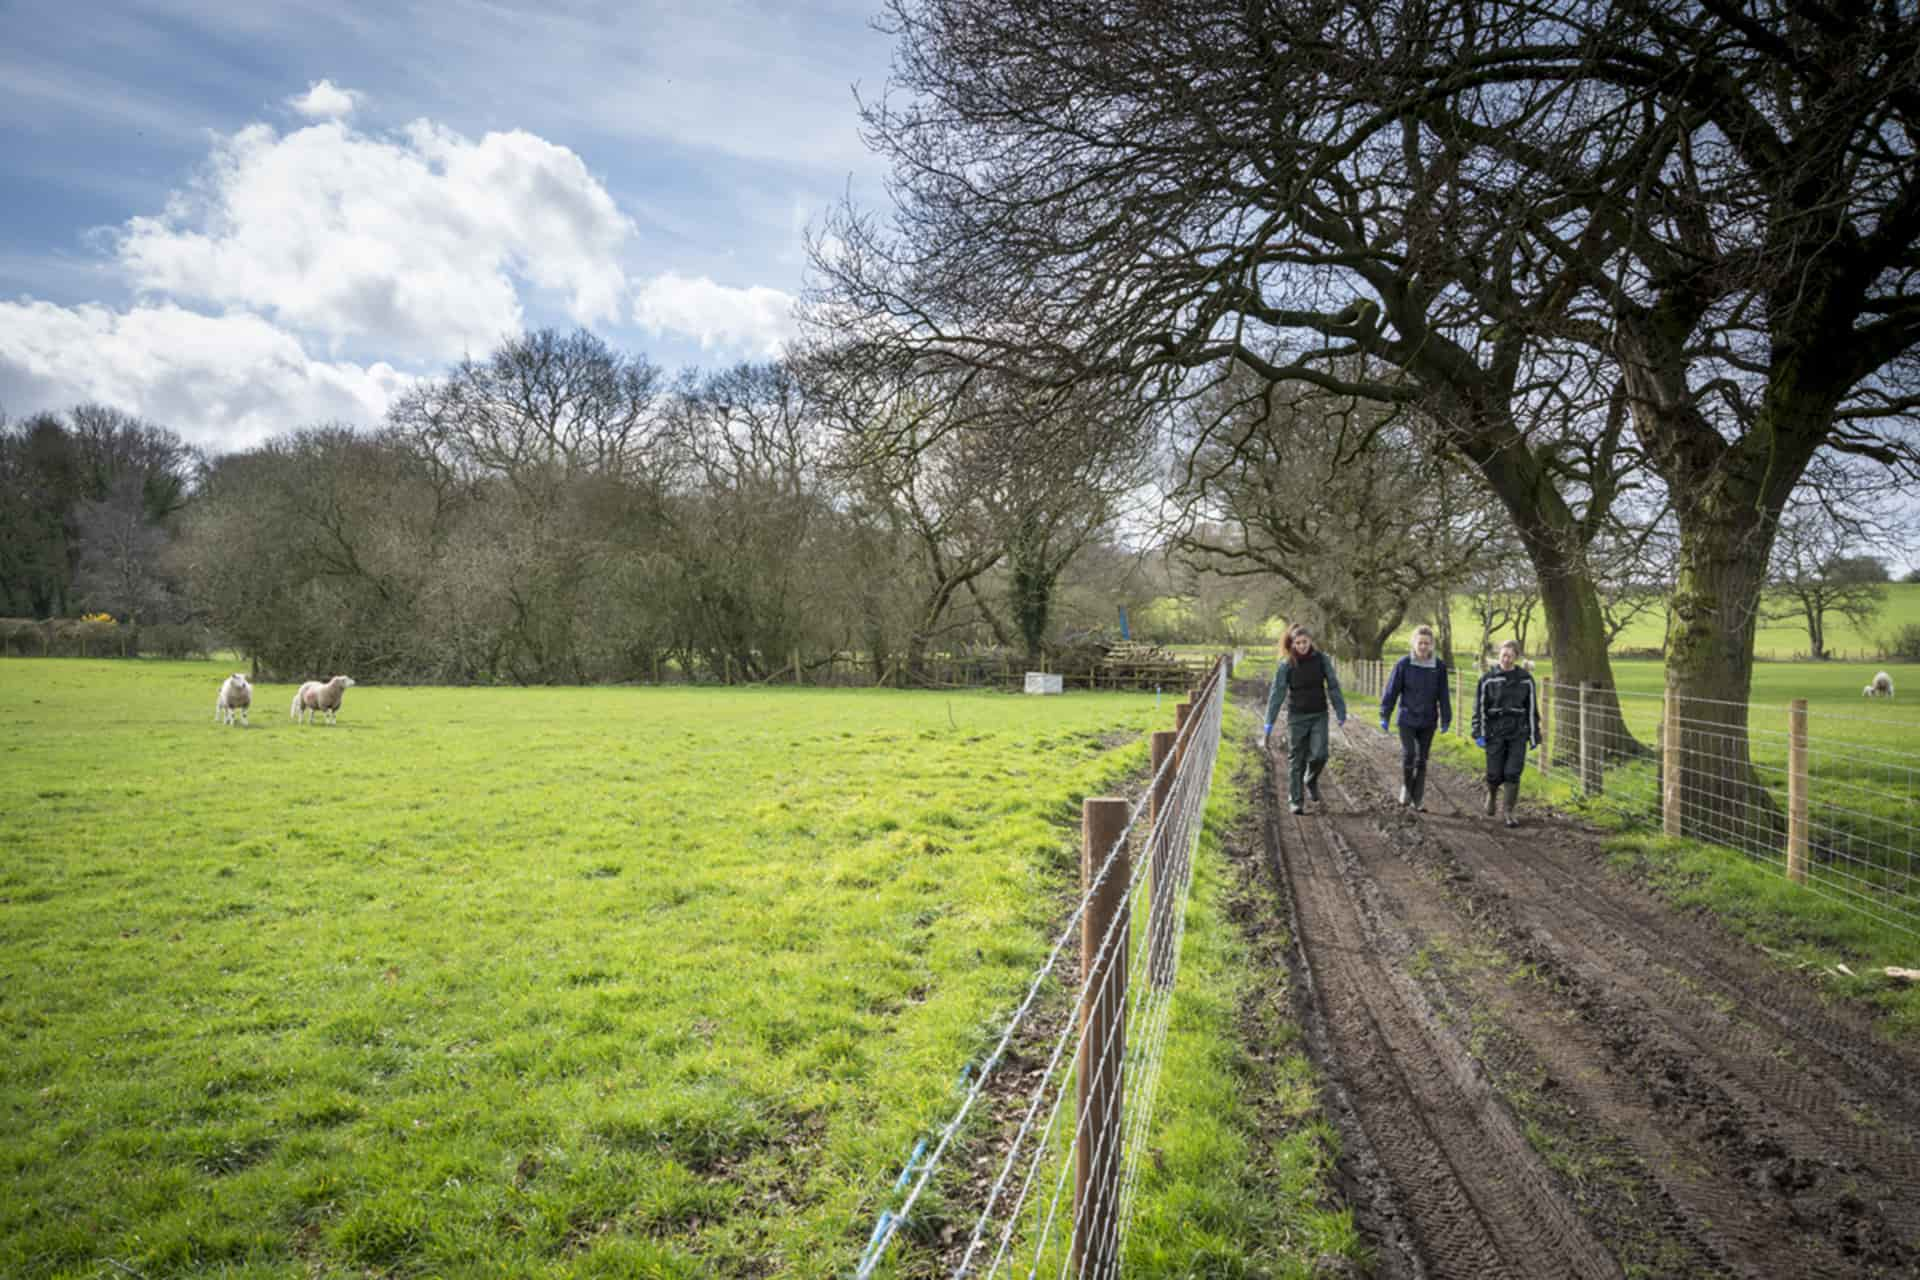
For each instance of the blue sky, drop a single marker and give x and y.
(240, 218)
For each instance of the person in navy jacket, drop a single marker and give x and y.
(1506, 721)
(1421, 687)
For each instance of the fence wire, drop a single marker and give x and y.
(1029, 1220)
(1861, 843)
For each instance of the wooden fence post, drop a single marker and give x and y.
(1671, 794)
(1797, 791)
(1546, 725)
(1590, 757)
(1097, 1066)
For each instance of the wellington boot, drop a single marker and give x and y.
(1512, 804)
(1493, 792)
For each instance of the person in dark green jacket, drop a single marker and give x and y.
(1307, 685)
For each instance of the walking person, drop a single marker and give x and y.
(1420, 685)
(1307, 685)
(1506, 721)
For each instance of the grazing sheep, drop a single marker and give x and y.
(236, 695)
(318, 696)
(1882, 687)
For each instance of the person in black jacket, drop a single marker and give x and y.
(1506, 721)
(1420, 685)
(1306, 684)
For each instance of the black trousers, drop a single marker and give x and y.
(1415, 745)
(1506, 757)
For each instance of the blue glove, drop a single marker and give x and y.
(1268, 731)
(1343, 722)
(1480, 742)
(1445, 729)
(1383, 724)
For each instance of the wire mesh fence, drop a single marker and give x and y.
(1067, 1183)
(1822, 796)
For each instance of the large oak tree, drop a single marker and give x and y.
(1699, 214)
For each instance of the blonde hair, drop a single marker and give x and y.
(1511, 644)
(1423, 630)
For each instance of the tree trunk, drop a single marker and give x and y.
(1576, 626)
(1723, 554)
(1032, 594)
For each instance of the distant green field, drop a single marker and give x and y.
(1775, 641)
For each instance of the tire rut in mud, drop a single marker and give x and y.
(1444, 1177)
(1543, 1070)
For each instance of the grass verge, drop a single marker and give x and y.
(1240, 1181)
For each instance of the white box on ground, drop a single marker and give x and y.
(1043, 682)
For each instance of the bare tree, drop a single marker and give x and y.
(748, 522)
(51, 469)
(1148, 197)
(1342, 500)
(123, 555)
(544, 407)
(1502, 595)
(1816, 573)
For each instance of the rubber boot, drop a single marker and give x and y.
(1417, 791)
(1513, 803)
(1493, 791)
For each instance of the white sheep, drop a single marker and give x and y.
(1881, 686)
(320, 696)
(236, 695)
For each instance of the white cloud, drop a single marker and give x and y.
(325, 100)
(756, 319)
(416, 244)
(225, 382)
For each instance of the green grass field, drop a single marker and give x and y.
(571, 982)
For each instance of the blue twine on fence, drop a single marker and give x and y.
(906, 1170)
(906, 1174)
(879, 1230)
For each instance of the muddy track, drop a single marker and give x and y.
(1540, 1069)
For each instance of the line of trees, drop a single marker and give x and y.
(89, 501)
(1610, 253)
(562, 512)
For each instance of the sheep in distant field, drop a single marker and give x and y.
(1882, 687)
(236, 695)
(320, 696)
